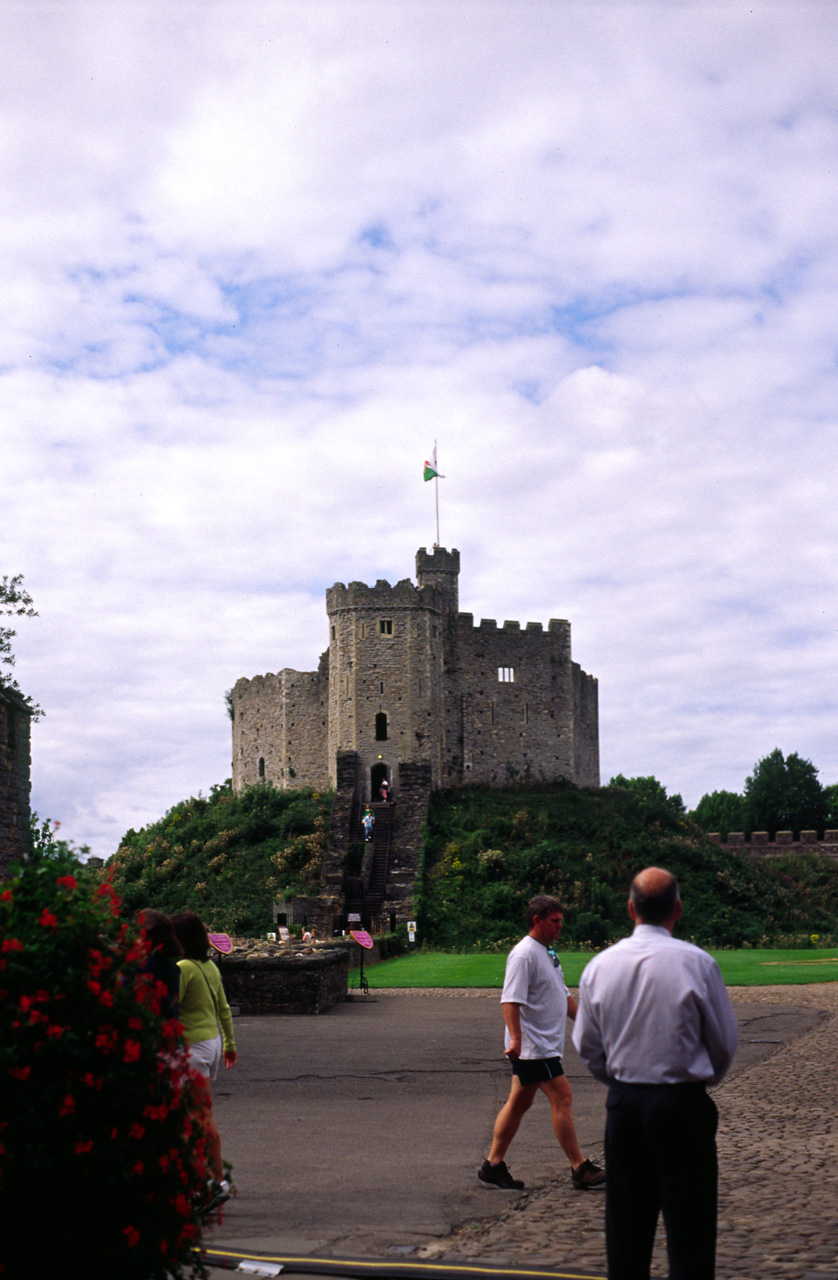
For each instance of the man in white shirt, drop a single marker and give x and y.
(655, 1023)
(536, 1004)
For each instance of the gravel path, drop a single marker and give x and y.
(778, 1155)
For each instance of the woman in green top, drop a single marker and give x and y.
(203, 1007)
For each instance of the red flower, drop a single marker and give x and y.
(133, 1049)
(137, 1131)
(137, 1169)
(132, 1235)
(20, 1073)
(68, 1106)
(47, 919)
(12, 944)
(181, 1205)
(55, 1030)
(6, 895)
(135, 1024)
(82, 1148)
(91, 1081)
(106, 1039)
(67, 882)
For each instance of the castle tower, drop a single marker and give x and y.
(386, 648)
(440, 570)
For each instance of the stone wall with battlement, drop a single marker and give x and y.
(407, 679)
(760, 845)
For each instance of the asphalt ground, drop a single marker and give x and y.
(358, 1134)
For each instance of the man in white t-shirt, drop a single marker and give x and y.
(536, 1004)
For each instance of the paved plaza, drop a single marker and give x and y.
(358, 1134)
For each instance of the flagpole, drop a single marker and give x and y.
(436, 488)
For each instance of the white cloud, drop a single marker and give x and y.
(254, 259)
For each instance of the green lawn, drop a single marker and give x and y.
(739, 969)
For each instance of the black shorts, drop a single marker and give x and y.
(536, 1070)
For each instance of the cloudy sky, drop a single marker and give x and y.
(256, 257)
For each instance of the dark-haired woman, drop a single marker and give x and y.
(203, 1008)
(164, 951)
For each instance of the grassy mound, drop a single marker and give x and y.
(226, 856)
(487, 851)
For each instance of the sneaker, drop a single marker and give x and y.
(497, 1175)
(588, 1175)
(219, 1194)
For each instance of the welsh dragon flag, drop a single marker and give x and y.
(431, 468)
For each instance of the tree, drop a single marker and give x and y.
(830, 795)
(652, 796)
(784, 795)
(720, 811)
(15, 601)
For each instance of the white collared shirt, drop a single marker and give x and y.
(654, 1010)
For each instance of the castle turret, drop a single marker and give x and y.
(440, 569)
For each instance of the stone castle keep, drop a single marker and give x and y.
(410, 691)
(409, 680)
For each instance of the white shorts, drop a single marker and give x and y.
(205, 1056)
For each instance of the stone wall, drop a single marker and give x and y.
(515, 695)
(279, 729)
(308, 984)
(15, 765)
(783, 845)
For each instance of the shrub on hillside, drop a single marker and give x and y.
(99, 1156)
(226, 856)
(487, 851)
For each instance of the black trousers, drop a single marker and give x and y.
(660, 1154)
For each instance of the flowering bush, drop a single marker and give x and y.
(101, 1163)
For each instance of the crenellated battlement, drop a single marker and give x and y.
(404, 595)
(760, 844)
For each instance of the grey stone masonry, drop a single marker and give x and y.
(15, 722)
(761, 846)
(409, 680)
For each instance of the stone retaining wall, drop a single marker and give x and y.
(286, 983)
(761, 846)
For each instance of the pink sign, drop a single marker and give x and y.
(221, 942)
(362, 938)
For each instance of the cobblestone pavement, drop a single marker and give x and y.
(778, 1156)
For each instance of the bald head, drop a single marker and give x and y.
(654, 897)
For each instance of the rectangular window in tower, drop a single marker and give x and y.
(385, 626)
(362, 629)
(333, 633)
(381, 686)
(506, 675)
(381, 727)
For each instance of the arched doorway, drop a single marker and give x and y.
(377, 775)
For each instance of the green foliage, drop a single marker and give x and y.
(45, 843)
(721, 812)
(652, 795)
(226, 856)
(830, 795)
(101, 1158)
(15, 601)
(784, 795)
(487, 851)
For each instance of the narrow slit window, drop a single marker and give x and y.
(381, 727)
(261, 766)
(506, 675)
